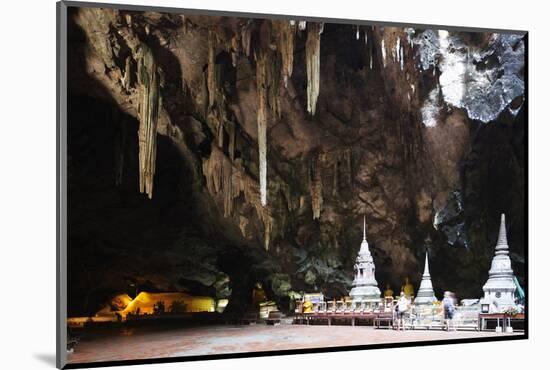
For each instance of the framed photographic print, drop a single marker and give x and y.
(235, 184)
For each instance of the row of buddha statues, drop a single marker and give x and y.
(407, 288)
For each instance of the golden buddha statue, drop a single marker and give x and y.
(388, 292)
(408, 288)
(307, 307)
(258, 295)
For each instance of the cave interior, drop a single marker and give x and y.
(207, 154)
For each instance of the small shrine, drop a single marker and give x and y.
(364, 288)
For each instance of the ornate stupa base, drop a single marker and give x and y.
(365, 294)
(425, 300)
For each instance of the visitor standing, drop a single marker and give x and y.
(402, 307)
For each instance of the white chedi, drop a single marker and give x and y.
(364, 288)
(500, 287)
(425, 293)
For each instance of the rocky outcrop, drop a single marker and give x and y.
(268, 140)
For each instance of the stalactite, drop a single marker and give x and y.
(220, 133)
(212, 82)
(370, 57)
(316, 188)
(126, 79)
(383, 49)
(262, 116)
(291, 203)
(185, 24)
(215, 110)
(223, 178)
(267, 85)
(396, 53)
(149, 106)
(246, 36)
(268, 227)
(226, 179)
(204, 94)
(234, 51)
(313, 56)
(286, 32)
(302, 201)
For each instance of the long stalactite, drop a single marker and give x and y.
(149, 106)
(313, 57)
(212, 81)
(269, 105)
(262, 116)
(286, 33)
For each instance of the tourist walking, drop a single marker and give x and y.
(448, 310)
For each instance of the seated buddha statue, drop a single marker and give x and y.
(388, 293)
(408, 288)
(307, 307)
(258, 295)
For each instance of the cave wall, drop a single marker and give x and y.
(266, 141)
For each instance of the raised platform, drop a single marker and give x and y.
(344, 318)
(516, 322)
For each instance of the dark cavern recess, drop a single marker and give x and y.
(207, 154)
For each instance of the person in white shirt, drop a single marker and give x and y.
(402, 307)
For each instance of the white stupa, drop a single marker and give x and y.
(425, 293)
(364, 288)
(500, 286)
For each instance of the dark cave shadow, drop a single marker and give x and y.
(46, 358)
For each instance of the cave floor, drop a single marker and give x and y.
(156, 342)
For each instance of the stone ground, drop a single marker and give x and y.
(154, 342)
